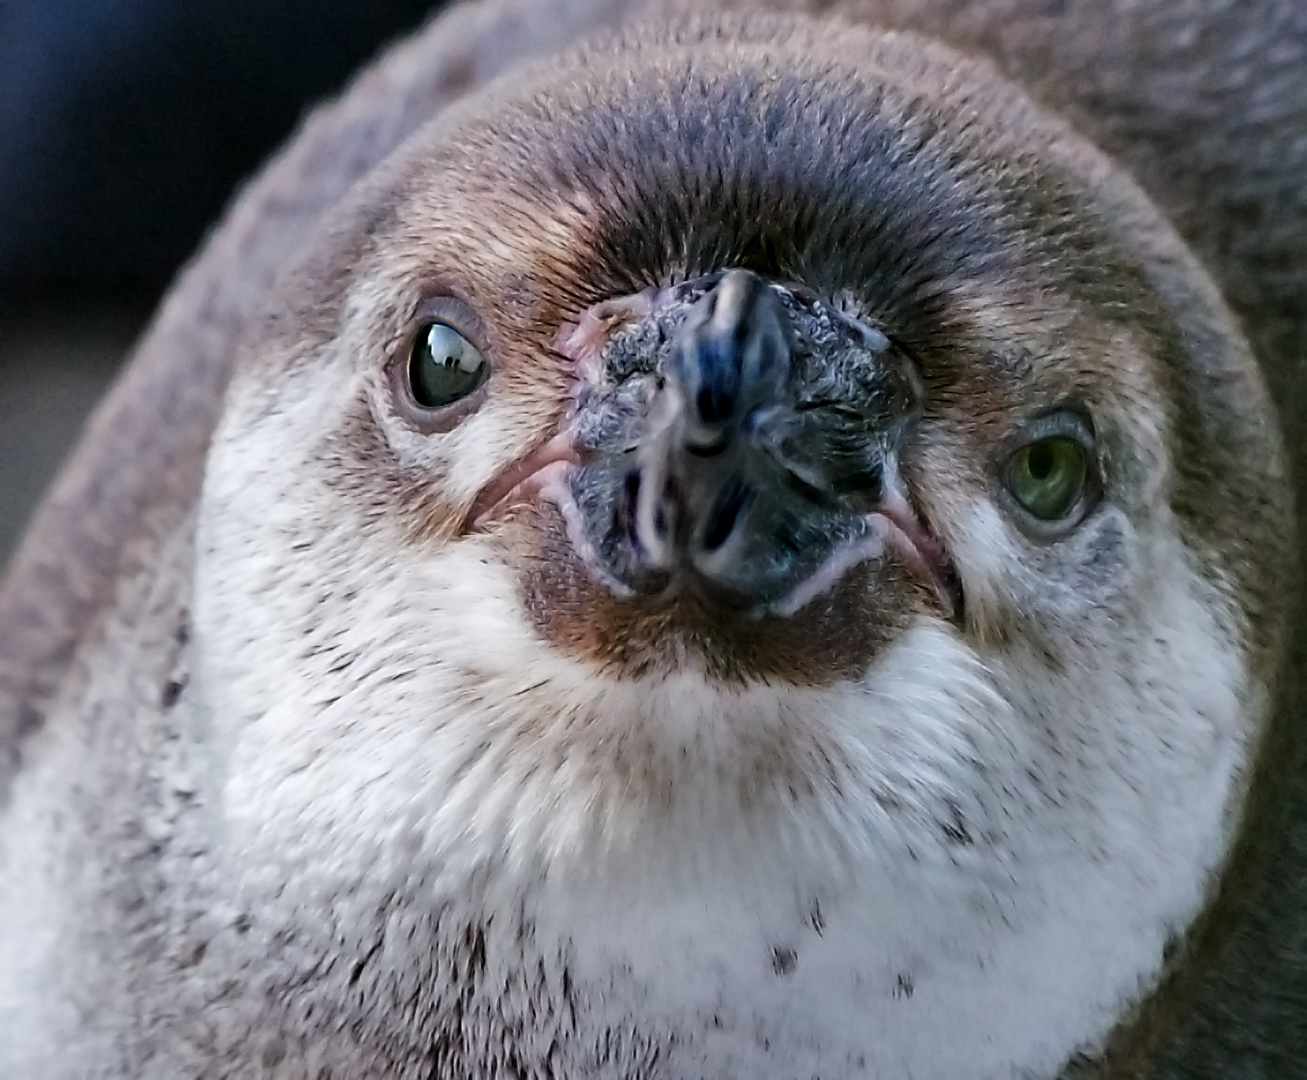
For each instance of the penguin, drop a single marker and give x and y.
(662, 543)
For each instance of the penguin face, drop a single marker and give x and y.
(936, 376)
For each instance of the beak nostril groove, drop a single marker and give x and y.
(661, 523)
(714, 407)
(627, 513)
(733, 500)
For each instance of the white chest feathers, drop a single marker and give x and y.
(965, 863)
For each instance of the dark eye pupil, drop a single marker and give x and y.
(1040, 461)
(443, 366)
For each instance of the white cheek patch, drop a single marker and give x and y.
(1090, 574)
(467, 458)
(312, 398)
(968, 863)
(984, 556)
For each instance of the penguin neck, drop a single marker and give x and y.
(748, 878)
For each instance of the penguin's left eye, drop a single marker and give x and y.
(443, 367)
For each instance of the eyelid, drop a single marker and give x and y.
(1067, 421)
(456, 312)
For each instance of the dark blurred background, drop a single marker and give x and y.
(125, 127)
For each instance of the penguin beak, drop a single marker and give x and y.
(748, 457)
(695, 486)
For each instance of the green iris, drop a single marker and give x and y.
(443, 366)
(1048, 477)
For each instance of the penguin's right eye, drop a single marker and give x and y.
(1048, 477)
(443, 367)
